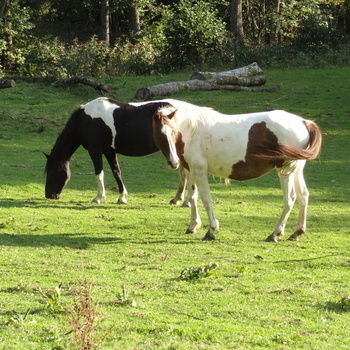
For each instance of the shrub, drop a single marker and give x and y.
(193, 31)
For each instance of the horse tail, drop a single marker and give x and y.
(284, 152)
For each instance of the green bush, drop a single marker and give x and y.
(194, 33)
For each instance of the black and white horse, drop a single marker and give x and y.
(104, 127)
(238, 147)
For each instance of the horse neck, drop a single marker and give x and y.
(66, 144)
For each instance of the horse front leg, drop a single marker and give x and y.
(196, 221)
(96, 158)
(179, 196)
(288, 189)
(201, 178)
(114, 165)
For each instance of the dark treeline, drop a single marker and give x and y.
(63, 38)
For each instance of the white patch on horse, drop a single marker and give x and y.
(103, 109)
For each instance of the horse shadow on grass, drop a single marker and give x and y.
(82, 241)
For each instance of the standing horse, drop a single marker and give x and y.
(238, 147)
(104, 126)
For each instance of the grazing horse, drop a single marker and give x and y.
(239, 147)
(104, 126)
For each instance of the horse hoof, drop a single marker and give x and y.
(174, 201)
(295, 235)
(189, 231)
(96, 200)
(186, 204)
(208, 237)
(122, 201)
(272, 238)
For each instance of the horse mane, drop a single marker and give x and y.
(62, 149)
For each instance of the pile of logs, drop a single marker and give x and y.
(241, 79)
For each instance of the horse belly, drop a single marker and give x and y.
(223, 151)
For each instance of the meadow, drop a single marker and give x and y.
(77, 275)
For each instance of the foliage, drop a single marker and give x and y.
(14, 35)
(196, 272)
(290, 299)
(59, 39)
(123, 299)
(193, 32)
(52, 299)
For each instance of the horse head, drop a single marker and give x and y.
(166, 134)
(57, 176)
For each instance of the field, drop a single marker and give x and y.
(77, 275)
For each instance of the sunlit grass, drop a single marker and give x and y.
(288, 295)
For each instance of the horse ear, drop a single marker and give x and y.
(172, 114)
(46, 155)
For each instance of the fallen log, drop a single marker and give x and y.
(7, 83)
(251, 75)
(191, 85)
(81, 80)
(240, 79)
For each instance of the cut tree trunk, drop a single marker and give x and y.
(240, 79)
(251, 75)
(7, 83)
(207, 85)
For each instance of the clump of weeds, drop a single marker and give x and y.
(123, 299)
(83, 317)
(195, 273)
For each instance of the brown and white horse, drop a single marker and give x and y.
(239, 147)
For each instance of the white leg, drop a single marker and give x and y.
(287, 185)
(303, 200)
(196, 221)
(179, 196)
(204, 191)
(101, 192)
(122, 197)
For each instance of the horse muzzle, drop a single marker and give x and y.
(52, 196)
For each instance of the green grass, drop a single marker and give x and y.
(288, 295)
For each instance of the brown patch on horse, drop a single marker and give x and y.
(180, 148)
(269, 151)
(259, 139)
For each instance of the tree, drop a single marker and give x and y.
(105, 18)
(236, 21)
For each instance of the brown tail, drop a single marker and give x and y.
(293, 153)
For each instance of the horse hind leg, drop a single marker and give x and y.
(302, 194)
(289, 196)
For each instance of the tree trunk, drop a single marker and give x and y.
(134, 19)
(274, 34)
(236, 21)
(105, 16)
(3, 8)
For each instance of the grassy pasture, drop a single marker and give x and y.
(290, 295)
